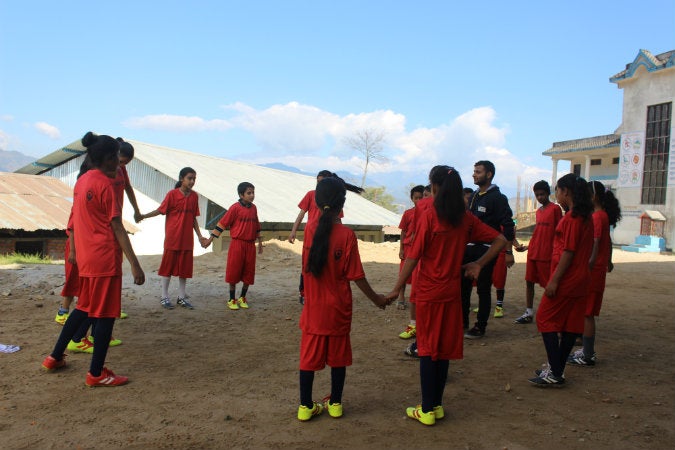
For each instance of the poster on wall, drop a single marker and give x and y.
(671, 159)
(631, 159)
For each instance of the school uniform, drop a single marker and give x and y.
(439, 248)
(407, 226)
(540, 249)
(71, 286)
(565, 311)
(326, 317)
(421, 206)
(180, 211)
(599, 270)
(242, 220)
(120, 183)
(99, 256)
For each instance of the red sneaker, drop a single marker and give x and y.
(107, 378)
(51, 363)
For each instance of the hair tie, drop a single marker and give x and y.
(450, 170)
(326, 208)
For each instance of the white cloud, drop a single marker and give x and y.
(48, 130)
(6, 117)
(168, 122)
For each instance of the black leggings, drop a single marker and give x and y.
(337, 384)
(433, 376)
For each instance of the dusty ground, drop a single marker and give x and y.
(214, 378)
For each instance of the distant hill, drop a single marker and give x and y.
(10, 161)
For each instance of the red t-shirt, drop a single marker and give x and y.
(242, 221)
(576, 235)
(407, 225)
(541, 244)
(601, 232)
(308, 203)
(328, 298)
(120, 182)
(98, 253)
(181, 211)
(439, 249)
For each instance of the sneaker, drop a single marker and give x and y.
(409, 332)
(415, 412)
(166, 303)
(411, 350)
(578, 358)
(113, 342)
(475, 310)
(84, 346)
(185, 302)
(50, 363)
(475, 333)
(107, 378)
(61, 318)
(525, 318)
(305, 413)
(545, 378)
(123, 315)
(334, 409)
(438, 412)
(499, 312)
(232, 304)
(242, 303)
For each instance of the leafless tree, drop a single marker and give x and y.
(370, 144)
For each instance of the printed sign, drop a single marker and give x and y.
(631, 159)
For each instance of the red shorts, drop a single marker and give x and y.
(561, 313)
(101, 297)
(176, 263)
(538, 272)
(318, 350)
(595, 292)
(499, 272)
(71, 288)
(440, 332)
(240, 262)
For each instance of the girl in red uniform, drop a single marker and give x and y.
(330, 260)
(242, 220)
(441, 235)
(181, 207)
(100, 239)
(560, 317)
(606, 214)
(407, 232)
(540, 248)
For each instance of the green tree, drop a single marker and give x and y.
(379, 196)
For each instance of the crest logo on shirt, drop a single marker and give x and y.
(337, 254)
(90, 195)
(481, 209)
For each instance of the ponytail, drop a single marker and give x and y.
(449, 198)
(330, 198)
(607, 200)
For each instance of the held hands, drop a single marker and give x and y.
(205, 242)
(520, 248)
(138, 216)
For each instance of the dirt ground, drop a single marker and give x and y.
(213, 378)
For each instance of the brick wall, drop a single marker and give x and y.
(55, 248)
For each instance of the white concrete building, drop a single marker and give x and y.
(637, 160)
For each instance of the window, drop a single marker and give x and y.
(596, 162)
(577, 169)
(615, 160)
(657, 144)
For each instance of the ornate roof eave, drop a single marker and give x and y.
(650, 62)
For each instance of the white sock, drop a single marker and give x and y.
(529, 311)
(165, 286)
(413, 323)
(181, 287)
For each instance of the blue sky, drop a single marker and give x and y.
(447, 82)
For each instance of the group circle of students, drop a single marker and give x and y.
(445, 247)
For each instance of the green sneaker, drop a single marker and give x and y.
(61, 318)
(113, 342)
(409, 332)
(84, 346)
(305, 413)
(438, 412)
(232, 304)
(123, 315)
(334, 409)
(499, 312)
(415, 412)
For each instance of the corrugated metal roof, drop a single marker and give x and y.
(585, 144)
(278, 192)
(32, 203)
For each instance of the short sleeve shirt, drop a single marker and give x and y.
(180, 211)
(407, 225)
(576, 235)
(242, 220)
(541, 244)
(601, 233)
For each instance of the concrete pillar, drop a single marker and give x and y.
(587, 168)
(554, 175)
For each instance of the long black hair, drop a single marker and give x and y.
(183, 172)
(449, 197)
(583, 205)
(126, 149)
(99, 148)
(330, 198)
(607, 200)
(349, 187)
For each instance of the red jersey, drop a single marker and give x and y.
(94, 207)
(308, 203)
(242, 220)
(576, 235)
(541, 244)
(601, 232)
(181, 211)
(407, 225)
(120, 183)
(328, 298)
(439, 249)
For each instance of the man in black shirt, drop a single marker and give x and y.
(492, 208)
